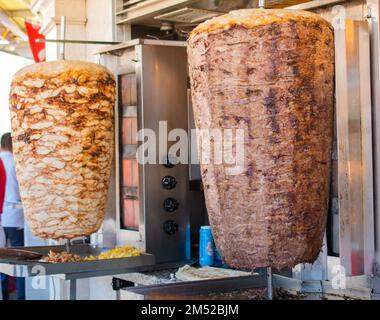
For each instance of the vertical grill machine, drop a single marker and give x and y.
(349, 258)
(152, 205)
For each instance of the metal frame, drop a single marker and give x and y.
(73, 270)
(353, 112)
(70, 272)
(357, 80)
(375, 85)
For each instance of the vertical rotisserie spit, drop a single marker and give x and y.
(270, 72)
(62, 129)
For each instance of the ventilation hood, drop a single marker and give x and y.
(153, 12)
(188, 15)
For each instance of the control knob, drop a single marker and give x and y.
(168, 182)
(170, 227)
(170, 204)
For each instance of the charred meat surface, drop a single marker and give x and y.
(62, 129)
(275, 70)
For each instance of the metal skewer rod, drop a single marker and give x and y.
(76, 41)
(63, 37)
(270, 283)
(68, 245)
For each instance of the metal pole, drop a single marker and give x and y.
(76, 41)
(270, 283)
(262, 4)
(73, 289)
(63, 37)
(68, 246)
(375, 81)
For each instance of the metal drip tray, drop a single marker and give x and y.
(73, 270)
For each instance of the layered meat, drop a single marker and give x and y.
(62, 129)
(270, 73)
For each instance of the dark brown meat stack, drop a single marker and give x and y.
(271, 73)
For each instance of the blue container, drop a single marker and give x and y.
(206, 247)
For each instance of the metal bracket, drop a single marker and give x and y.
(118, 284)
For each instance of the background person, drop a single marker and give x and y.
(2, 194)
(12, 217)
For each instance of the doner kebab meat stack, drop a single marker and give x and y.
(271, 73)
(62, 130)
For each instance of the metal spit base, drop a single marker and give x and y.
(71, 271)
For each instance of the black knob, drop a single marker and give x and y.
(170, 204)
(168, 182)
(169, 161)
(170, 227)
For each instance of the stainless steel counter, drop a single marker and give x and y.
(71, 271)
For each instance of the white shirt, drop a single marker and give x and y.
(2, 238)
(11, 216)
